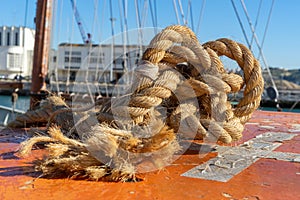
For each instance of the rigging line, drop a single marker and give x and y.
(155, 12)
(23, 38)
(256, 22)
(240, 22)
(54, 72)
(200, 16)
(125, 9)
(192, 19)
(95, 17)
(152, 13)
(267, 26)
(100, 50)
(50, 55)
(112, 19)
(90, 50)
(145, 13)
(176, 11)
(97, 60)
(121, 21)
(258, 45)
(137, 11)
(123, 36)
(153, 16)
(58, 38)
(122, 28)
(188, 13)
(90, 53)
(26, 13)
(70, 52)
(139, 26)
(181, 11)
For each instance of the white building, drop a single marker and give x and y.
(73, 64)
(16, 51)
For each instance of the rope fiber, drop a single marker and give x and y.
(179, 90)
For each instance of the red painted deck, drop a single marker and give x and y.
(264, 179)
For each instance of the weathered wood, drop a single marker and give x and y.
(41, 47)
(11, 85)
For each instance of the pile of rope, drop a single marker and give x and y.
(179, 90)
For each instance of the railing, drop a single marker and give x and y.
(8, 114)
(289, 95)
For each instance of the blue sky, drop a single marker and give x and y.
(281, 46)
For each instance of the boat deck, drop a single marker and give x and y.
(265, 164)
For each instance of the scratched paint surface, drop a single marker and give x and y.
(267, 178)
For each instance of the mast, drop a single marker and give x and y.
(41, 49)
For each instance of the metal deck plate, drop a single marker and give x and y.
(232, 160)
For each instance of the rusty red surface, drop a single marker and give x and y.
(264, 179)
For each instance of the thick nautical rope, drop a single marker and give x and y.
(180, 87)
(252, 74)
(158, 79)
(47, 108)
(208, 79)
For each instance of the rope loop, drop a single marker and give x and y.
(179, 88)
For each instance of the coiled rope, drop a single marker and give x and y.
(205, 75)
(179, 88)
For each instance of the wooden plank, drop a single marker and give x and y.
(11, 85)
